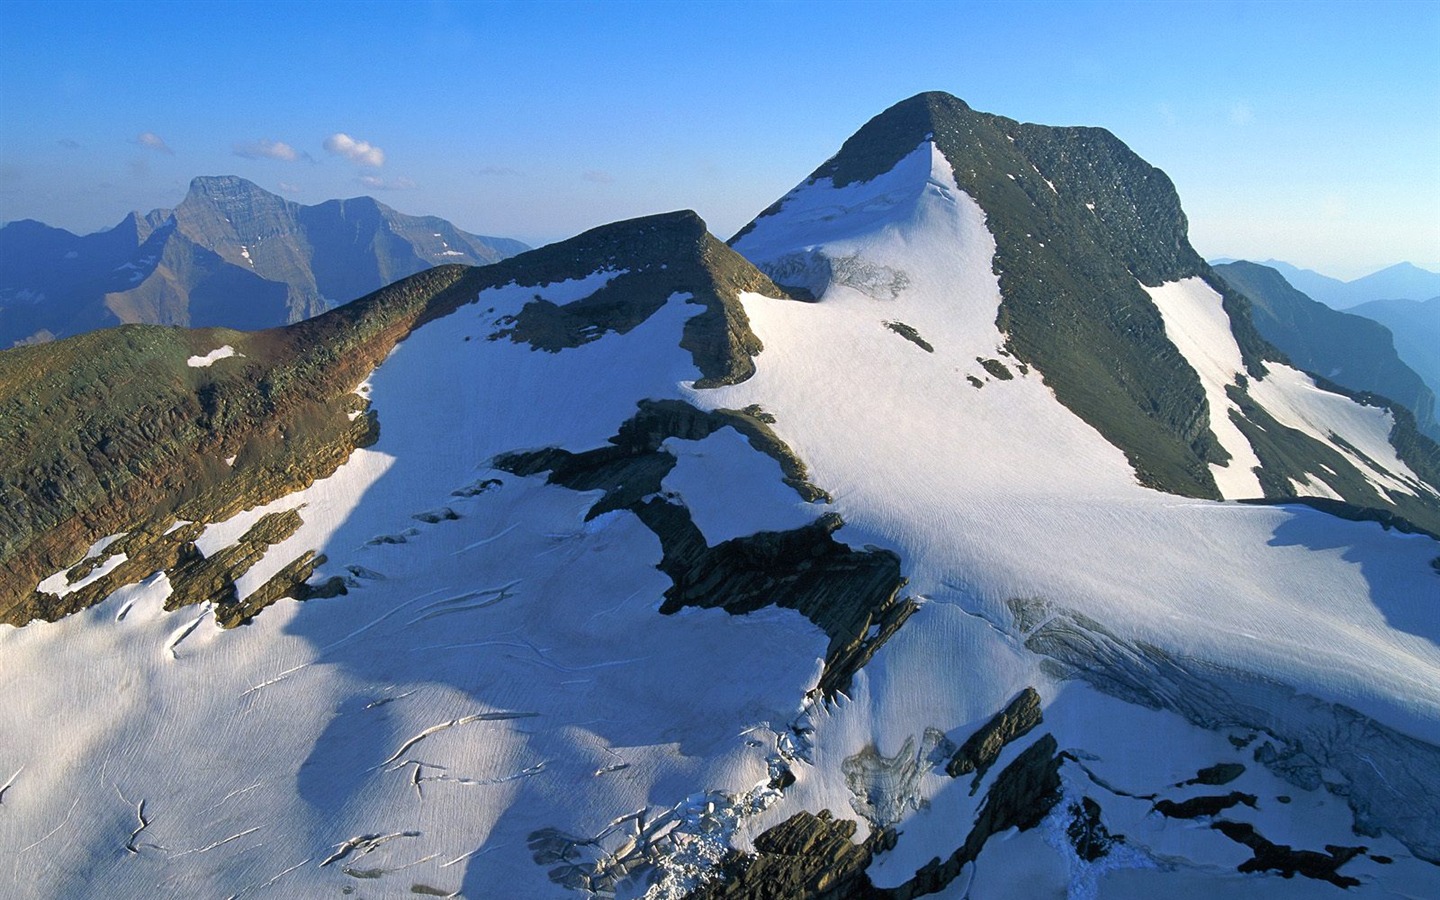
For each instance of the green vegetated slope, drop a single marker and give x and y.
(113, 431)
(1349, 350)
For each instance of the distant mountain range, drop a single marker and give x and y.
(230, 255)
(1348, 348)
(1345, 346)
(1416, 325)
(1402, 281)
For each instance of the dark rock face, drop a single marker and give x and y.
(810, 856)
(1288, 861)
(1087, 833)
(1022, 796)
(1287, 454)
(1218, 774)
(634, 465)
(851, 594)
(660, 256)
(230, 255)
(982, 748)
(814, 857)
(1197, 807)
(211, 579)
(911, 335)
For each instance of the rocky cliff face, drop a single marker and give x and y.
(115, 431)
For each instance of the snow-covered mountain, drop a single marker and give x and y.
(887, 551)
(231, 255)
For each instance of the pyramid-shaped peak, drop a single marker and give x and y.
(225, 186)
(221, 204)
(890, 136)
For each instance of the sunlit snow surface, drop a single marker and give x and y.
(508, 671)
(209, 359)
(261, 751)
(999, 493)
(1197, 323)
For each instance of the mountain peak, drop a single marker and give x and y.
(888, 137)
(1080, 223)
(1406, 268)
(227, 189)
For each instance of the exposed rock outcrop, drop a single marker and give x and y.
(1288, 861)
(853, 595)
(982, 748)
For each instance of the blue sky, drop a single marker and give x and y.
(1308, 132)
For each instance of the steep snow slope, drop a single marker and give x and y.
(1000, 491)
(997, 497)
(498, 667)
(1198, 324)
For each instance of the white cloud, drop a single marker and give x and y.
(289, 188)
(376, 183)
(362, 153)
(266, 149)
(598, 176)
(1242, 113)
(154, 142)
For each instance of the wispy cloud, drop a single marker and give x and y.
(362, 153)
(289, 188)
(376, 183)
(267, 149)
(1242, 113)
(496, 170)
(598, 176)
(154, 142)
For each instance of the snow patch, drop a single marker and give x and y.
(200, 362)
(1198, 326)
(1295, 401)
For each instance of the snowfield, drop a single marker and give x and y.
(498, 698)
(209, 359)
